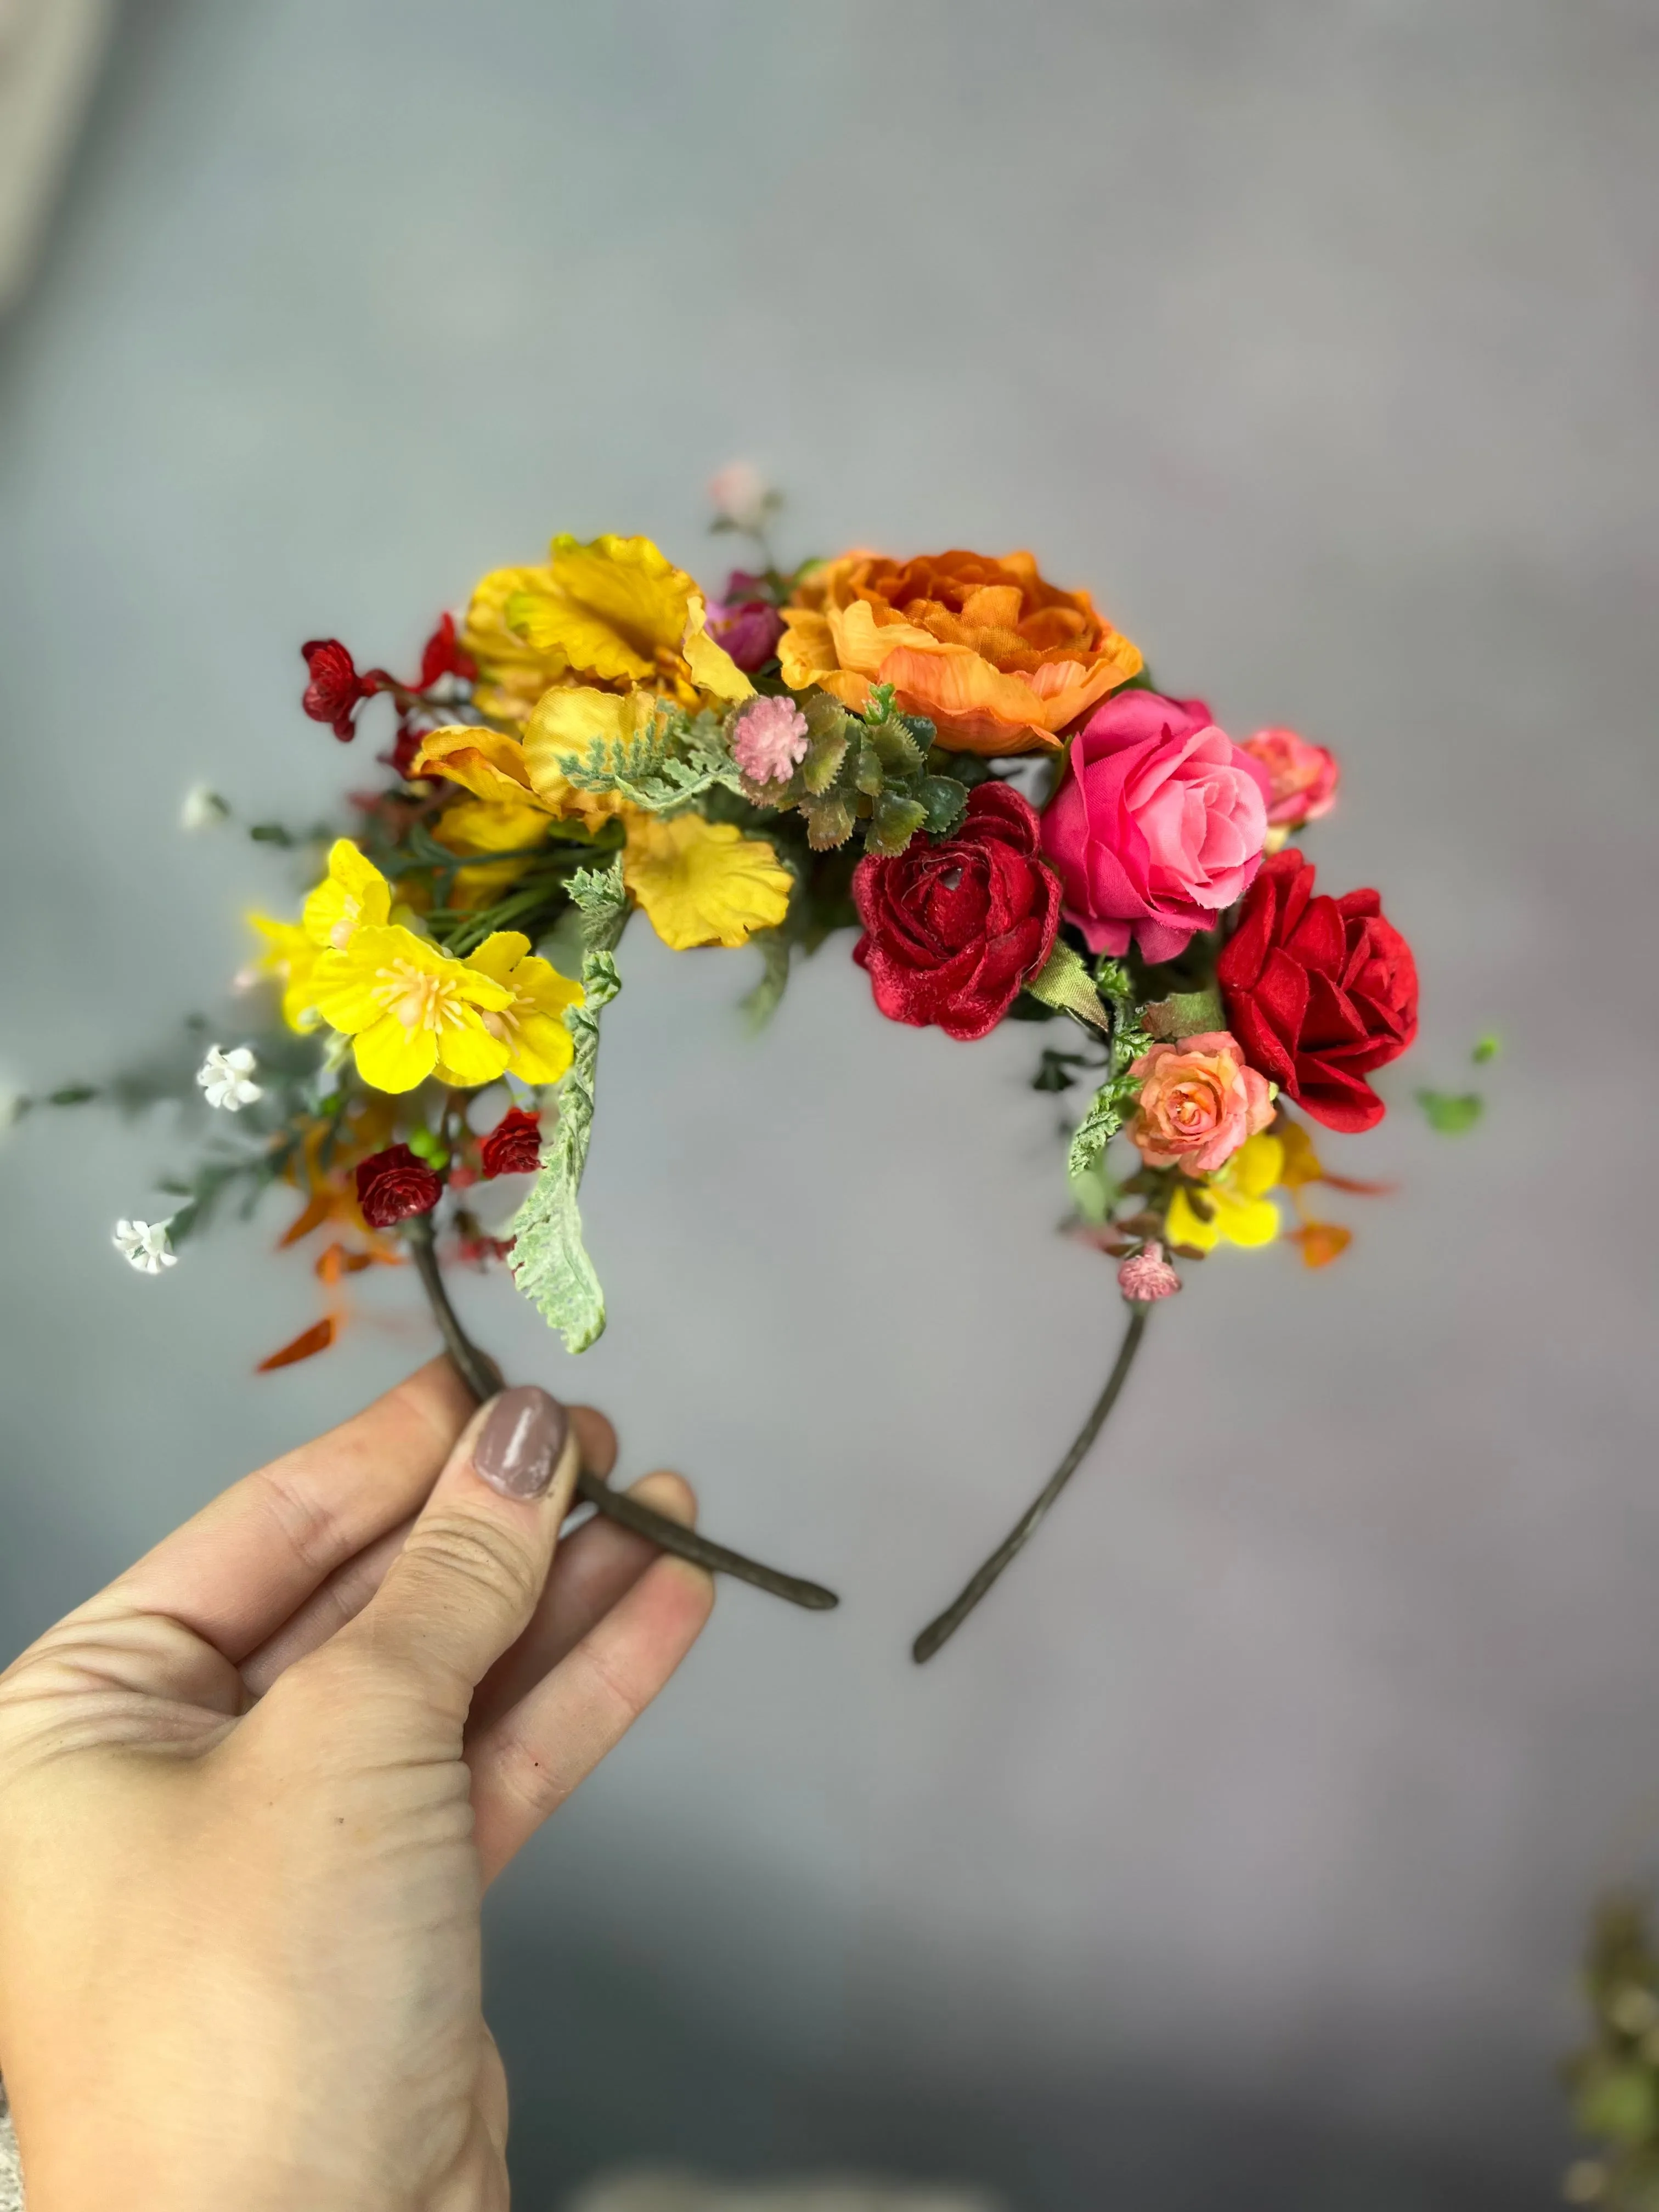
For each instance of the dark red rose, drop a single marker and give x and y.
(513, 1147)
(1318, 991)
(954, 927)
(441, 656)
(336, 689)
(394, 1185)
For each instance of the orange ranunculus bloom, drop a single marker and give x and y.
(1000, 661)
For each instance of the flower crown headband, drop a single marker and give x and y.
(841, 744)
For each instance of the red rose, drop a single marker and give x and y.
(953, 926)
(1318, 991)
(513, 1147)
(336, 689)
(394, 1185)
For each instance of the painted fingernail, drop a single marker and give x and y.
(521, 1443)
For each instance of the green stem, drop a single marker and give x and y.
(941, 1630)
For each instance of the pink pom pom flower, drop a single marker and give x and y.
(1148, 1276)
(769, 741)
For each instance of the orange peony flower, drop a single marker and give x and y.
(1000, 661)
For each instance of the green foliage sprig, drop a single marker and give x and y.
(675, 760)
(550, 1264)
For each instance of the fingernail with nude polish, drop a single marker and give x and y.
(521, 1443)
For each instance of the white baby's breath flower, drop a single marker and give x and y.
(224, 1077)
(203, 809)
(144, 1245)
(13, 1106)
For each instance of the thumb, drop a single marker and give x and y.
(463, 1588)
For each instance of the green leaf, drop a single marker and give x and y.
(549, 1262)
(1096, 1130)
(1451, 1113)
(1487, 1048)
(1621, 2103)
(945, 801)
(899, 753)
(828, 822)
(72, 1094)
(760, 1004)
(1094, 1191)
(1064, 981)
(894, 824)
(822, 765)
(868, 774)
(1185, 1013)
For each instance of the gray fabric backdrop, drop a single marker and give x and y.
(1238, 1853)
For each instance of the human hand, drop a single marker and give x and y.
(251, 1796)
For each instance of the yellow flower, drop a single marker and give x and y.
(494, 766)
(489, 825)
(411, 1009)
(352, 895)
(615, 612)
(532, 1025)
(704, 882)
(292, 960)
(1240, 1212)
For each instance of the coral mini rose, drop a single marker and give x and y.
(1158, 826)
(954, 927)
(1302, 778)
(999, 660)
(1318, 991)
(1199, 1101)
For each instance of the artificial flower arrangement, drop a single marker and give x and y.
(966, 763)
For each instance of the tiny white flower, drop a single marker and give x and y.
(13, 1106)
(224, 1077)
(144, 1245)
(203, 809)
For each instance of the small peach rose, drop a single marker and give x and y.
(1199, 1101)
(1302, 777)
(999, 660)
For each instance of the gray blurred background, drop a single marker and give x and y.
(1238, 1853)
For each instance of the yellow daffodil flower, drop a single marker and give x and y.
(354, 894)
(489, 825)
(704, 882)
(412, 1011)
(531, 1025)
(291, 958)
(1240, 1212)
(614, 612)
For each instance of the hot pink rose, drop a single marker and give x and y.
(1158, 826)
(1198, 1103)
(1302, 778)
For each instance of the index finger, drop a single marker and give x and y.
(238, 1569)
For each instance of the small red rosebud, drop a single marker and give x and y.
(392, 1185)
(336, 689)
(441, 656)
(513, 1147)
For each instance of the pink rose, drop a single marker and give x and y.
(1302, 778)
(1158, 826)
(1199, 1101)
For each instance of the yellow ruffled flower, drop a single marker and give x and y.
(531, 1025)
(615, 612)
(704, 882)
(494, 766)
(490, 825)
(1240, 1213)
(352, 895)
(291, 958)
(412, 1011)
